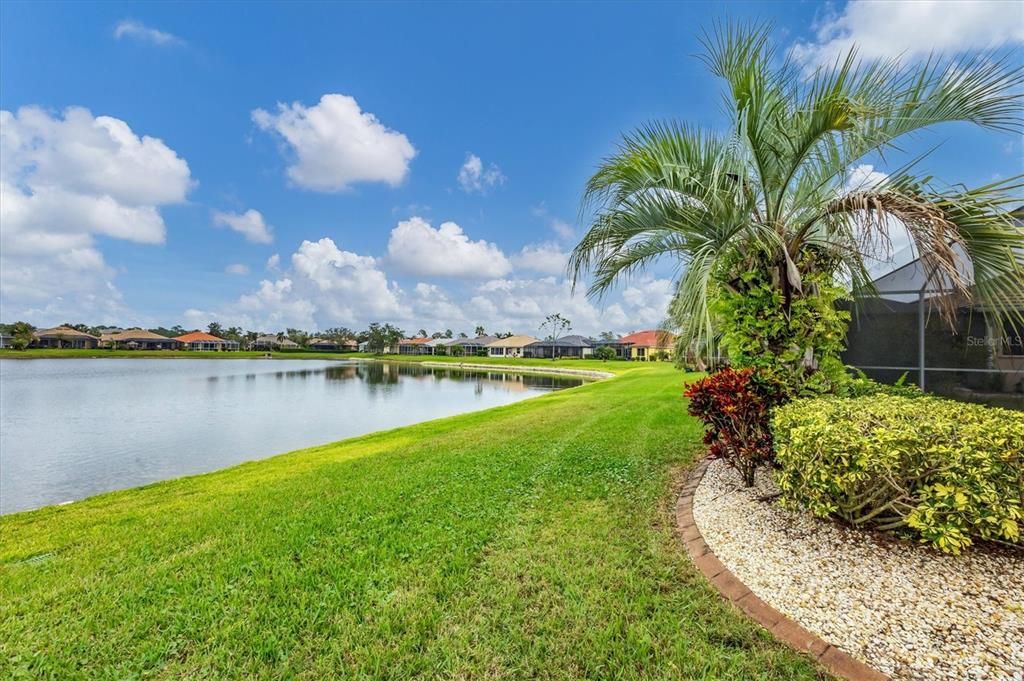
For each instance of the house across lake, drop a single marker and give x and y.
(199, 340)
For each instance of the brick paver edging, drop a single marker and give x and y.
(732, 589)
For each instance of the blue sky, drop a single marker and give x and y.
(158, 155)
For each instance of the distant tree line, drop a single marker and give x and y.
(379, 336)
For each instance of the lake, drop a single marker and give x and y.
(71, 428)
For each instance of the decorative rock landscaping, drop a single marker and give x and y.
(902, 608)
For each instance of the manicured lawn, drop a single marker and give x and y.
(529, 541)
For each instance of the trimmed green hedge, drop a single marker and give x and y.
(943, 471)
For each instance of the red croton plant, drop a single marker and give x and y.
(735, 406)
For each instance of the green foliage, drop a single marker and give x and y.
(21, 335)
(799, 341)
(382, 336)
(946, 472)
(769, 189)
(604, 353)
(860, 385)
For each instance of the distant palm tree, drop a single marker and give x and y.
(767, 200)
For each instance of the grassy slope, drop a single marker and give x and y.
(532, 540)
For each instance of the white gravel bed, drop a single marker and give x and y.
(908, 610)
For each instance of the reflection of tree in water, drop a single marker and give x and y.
(342, 373)
(384, 376)
(294, 374)
(538, 382)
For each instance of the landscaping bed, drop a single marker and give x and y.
(904, 608)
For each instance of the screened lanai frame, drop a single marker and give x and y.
(921, 368)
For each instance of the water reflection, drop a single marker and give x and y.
(76, 427)
(377, 375)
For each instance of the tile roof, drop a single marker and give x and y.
(136, 335)
(414, 341)
(512, 342)
(566, 341)
(652, 338)
(200, 336)
(64, 331)
(479, 340)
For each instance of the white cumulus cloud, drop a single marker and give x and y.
(546, 258)
(64, 180)
(249, 224)
(417, 248)
(325, 286)
(474, 177)
(892, 28)
(336, 144)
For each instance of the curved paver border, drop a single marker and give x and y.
(786, 630)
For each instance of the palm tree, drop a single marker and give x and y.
(765, 208)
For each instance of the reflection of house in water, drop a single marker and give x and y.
(902, 332)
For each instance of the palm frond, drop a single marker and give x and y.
(969, 245)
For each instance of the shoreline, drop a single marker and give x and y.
(522, 368)
(589, 376)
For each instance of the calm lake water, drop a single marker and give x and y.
(71, 428)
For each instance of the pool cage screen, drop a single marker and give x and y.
(902, 334)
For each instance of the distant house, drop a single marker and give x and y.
(386, 350)
(650, 345)
(414, 346)
(512, 346)
(138, 339)
(266, 342)
(64, 337)
(438, 346)
(623, 349)
(198, 340)
(328, 345)
(322, 344)
(472, 346)
(570, 347)
(5, 340)
(272, 342)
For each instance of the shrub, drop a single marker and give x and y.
(735, 406)
(797, 339)
(860, 385)
(604, 353)
(946, 472)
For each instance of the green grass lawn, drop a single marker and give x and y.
(529, 541)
